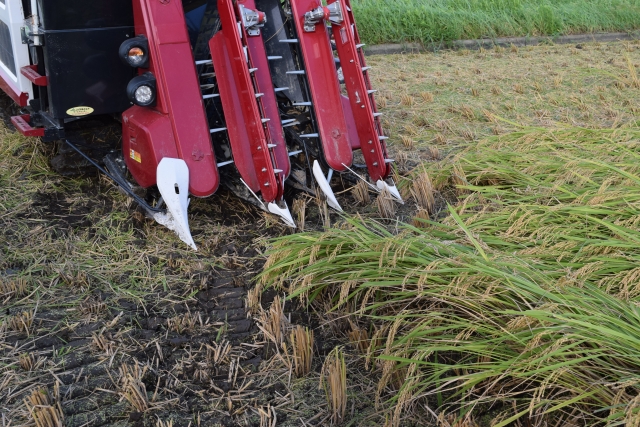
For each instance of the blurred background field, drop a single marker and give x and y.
(398, 21)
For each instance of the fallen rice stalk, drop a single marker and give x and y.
(525, 298)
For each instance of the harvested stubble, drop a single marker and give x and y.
(272, 323)
(185, 323)
(160, 423)
(301, 339)
(44, 411)
(408, 142)
(132, 388)
(361, 193)
(423, 192)
(14, 288)
(268, 416)
(299, 209)
(386, 205)
(334, 382)
(427, 96)
(434, 152)
(359, 338)
(20, 322)
(421, 217)
(29, 361)
(525, 298)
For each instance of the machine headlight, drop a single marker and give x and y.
(141, 90)
(144, 95)
(135, 52)
(136, 57)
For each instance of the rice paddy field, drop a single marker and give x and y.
(505, 292)
(399, 21)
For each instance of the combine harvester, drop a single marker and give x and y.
(251, 94)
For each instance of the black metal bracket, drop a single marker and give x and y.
(120, 181)
(53, 129)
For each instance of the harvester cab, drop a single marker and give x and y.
(250, 94)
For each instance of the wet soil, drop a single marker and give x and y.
(172, 324)
(196, 350)
(79, 347)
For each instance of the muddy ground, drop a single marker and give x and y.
(117, 323)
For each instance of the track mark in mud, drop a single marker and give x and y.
(189, 351)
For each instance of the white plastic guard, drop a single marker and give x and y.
(391, 186)
(283, 213)
(325, 187)
(173, 183)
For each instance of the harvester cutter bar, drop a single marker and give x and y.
(248, 135)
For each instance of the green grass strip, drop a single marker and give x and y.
(398, 21)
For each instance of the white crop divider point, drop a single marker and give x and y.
(173, 182)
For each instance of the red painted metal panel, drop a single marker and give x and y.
(238, 133)
(325, 87)
(247, 134)
(20, 98)
(179, 94)
(147, 138)
(31, 73)
(354, 139)
(264, 84)
(362, 103)
(22, 125)
(363, 62)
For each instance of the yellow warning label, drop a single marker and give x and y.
(136, 156)
(80, 111)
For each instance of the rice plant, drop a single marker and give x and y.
(524, 299)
